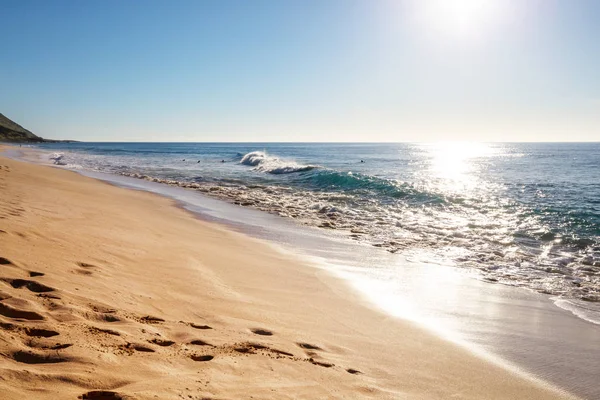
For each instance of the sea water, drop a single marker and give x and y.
(519, 214)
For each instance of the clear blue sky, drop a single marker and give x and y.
(329, 70)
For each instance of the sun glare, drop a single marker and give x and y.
(454, 163)
(466, 18)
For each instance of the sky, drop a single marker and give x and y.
(303, 70)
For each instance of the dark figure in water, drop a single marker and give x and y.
(362, 161)
(222, 160)
(197, 161)
(183, 159)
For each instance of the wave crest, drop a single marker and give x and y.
(263, 162)
(57, 159)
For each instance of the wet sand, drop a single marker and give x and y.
(110, 293)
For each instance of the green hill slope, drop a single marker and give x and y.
(13, 132)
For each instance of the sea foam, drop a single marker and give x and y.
(262, 162)
(57, 159)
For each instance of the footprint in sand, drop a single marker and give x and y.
(308, 346)
(108, 318)
(199, 342)
(251, 347)
(244, 350)
(148, 319)
(43, 346)
(95, 330)
(281, 352)
(7, 326)
(40, 332)
(196, 326)
(262, 332)
(48, 296)
(320, 364)
(102, 395)
(99, 308)
(162, 342)
(15, 313)
(27, 357)
(86, 265)
(82, 272)
(139, 347)
(85, 268)
(58, 346)
(33, 286)
(99, 317)
(197, 357)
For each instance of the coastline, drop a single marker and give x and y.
(510, 326)
(116, 256)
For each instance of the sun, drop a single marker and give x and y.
(459, 17)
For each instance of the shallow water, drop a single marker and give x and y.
(519, 214)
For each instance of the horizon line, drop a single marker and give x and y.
(67, 141)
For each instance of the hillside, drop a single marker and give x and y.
(13, 132)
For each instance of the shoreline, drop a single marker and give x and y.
(512, 327)
(511, 259)
(270, 293)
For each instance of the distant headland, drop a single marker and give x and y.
(10, 131)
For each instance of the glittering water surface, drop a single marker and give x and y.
(520, 214)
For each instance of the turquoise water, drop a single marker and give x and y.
(519, 214)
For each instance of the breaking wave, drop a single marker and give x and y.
(57, 159)
(263, 162)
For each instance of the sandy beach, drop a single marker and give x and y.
(109, 293)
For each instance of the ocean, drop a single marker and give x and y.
(525, 214)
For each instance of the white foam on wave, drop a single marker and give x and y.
(253, 158)
(59, 159)
(263, 162)
(589, 311)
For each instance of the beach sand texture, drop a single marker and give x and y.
(108, 293)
